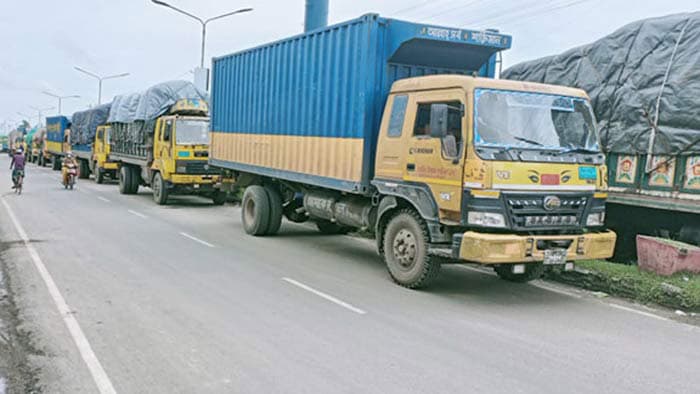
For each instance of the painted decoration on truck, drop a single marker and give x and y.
(626, 169)
(664, 171)
(692, 173)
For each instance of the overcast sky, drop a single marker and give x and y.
(41, 40)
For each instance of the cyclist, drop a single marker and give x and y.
(17, 166)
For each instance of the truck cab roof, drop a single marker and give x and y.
(468, 83)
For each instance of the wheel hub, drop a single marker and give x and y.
(404, 248)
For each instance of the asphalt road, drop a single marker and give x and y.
(177, 299)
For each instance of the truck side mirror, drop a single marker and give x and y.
(438, 120)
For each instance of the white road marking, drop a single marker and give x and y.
(325, 296)
(139, 214)
(637, 311)
(205, 243)
(104, 385)
(555, 290)
(103, 199)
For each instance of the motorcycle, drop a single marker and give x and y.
(71, 174)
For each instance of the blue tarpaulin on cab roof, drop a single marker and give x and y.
(153, 102)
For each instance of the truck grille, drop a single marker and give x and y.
(195, 167)
(545, 211)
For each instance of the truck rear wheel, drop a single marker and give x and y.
(135, 179)
(330, 228)
(160, 189)
(405, 250)
(255, 212)
(55, 164)
(532, 271)
(84, 169)
(124, 180)
(276, 209)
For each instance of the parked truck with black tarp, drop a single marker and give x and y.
(159, 138)
(399, 129)
(644, 82)
(82, 138)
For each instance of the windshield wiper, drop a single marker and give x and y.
(531, 142)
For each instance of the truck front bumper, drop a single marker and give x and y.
(487, 248)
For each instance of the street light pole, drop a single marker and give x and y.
(204, 23)
(60, 98)
(39, 111)
(99, 80)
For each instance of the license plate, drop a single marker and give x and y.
(555, 256)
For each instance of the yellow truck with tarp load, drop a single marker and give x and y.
(440, 168)
(160, 138)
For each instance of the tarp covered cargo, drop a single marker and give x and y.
(643, 76)
(152, 103)
(133, 116)
(85, 124)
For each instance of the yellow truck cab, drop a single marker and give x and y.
(103, 166)
(505, 172)
(174, 161)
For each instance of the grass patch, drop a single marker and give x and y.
(680, 291)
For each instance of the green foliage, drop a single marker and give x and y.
(681, 291)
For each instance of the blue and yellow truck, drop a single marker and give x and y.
(399, 129)
(57, 141)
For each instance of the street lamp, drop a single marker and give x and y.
(60, 98)
(39, 111)
(99, 79)
(204, 23)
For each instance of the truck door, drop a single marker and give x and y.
(162, 146)
(436, 147)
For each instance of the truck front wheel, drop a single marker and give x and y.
(405, 250)
(255, 212)
(532, 271)
(160, 189)
(219, 197)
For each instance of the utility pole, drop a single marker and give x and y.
(201, 74)
(60, 99)
(99, 80)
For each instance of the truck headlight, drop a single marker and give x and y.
(486, 219)
(595, 219)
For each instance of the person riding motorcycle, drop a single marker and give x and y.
(17, 166)
(68, 162)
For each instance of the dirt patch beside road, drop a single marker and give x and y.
(16, 372)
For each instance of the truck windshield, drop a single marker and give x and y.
(191, 132)
(534, 120)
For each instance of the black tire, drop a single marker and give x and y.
(124, 180)
(405, 250)
(55, 164)
(255, 210)
(99, 175)
(84, 169)
(219, 197)
(160, 189)
(276, 210)
(690, 234)
(532, 271)
(135, 179)
(42, 161)
(330, 228)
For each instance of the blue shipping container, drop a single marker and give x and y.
(308, 108)
(56, 128)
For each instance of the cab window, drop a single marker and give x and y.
(100, 133)
(167, 130)
(398, 111)
(451, 142)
